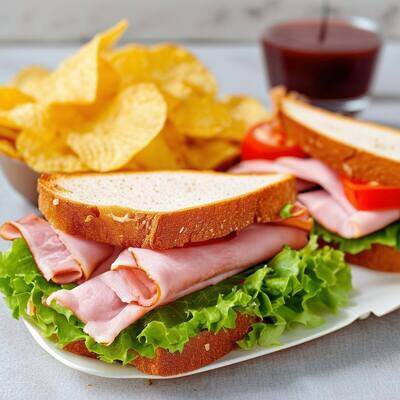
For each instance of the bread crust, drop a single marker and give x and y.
(379, 257)
(199, 351)
(161, 230)
(343, 158)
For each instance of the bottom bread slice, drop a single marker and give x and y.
(379, 257)
(199, 351)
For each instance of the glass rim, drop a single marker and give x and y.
(362, 22)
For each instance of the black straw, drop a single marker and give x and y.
(325, 11)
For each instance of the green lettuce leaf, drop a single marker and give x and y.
(286, 211)
(296, 288)
(389, 236)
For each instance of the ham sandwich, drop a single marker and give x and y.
(116, 286)
(326, 202)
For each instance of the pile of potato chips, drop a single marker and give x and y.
(133, 108)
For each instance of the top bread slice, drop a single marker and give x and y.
(161, 210)
(357, 149)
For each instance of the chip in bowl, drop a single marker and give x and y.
(7, 147)
(135, 107)
(125, 127)
(44, 151)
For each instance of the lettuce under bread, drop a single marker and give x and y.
(389, 236)
(295, 287)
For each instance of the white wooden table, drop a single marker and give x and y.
(361, 361)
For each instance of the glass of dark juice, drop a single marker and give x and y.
(331, 62)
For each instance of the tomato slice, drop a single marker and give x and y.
(268, 141)
(370, 196)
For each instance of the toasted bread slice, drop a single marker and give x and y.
(199, 351)
(357, 149)
(379, 257)
(161, 210)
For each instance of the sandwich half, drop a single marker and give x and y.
(351, 185)
(168, 271)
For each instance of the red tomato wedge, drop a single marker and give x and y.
(268, 141)
(370, 196)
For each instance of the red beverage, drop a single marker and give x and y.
(331, 62)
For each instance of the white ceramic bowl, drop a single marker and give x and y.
(21, 177)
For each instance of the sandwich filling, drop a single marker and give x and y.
(138, 300)
(322, 193)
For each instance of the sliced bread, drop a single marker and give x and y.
(379, 257)
(199, 351)
(161, 210)
(357, 149)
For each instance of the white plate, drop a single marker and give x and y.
(374, 292)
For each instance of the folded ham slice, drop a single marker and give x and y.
(329, 206)
(60, 257)
(142, 279)
(269, 167)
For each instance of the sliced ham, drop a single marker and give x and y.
(142, 279)
(328, 212)
(60, 257)
(269, 167)
(330, 206)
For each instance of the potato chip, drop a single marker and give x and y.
(32, 116)
(76, 79)
(173, 69)
(68, 117)
(132, 63)
(11, 97)
(47, 152)
(211, 154)
(30, 80)
(7, 148)
(138, 107)
(109, 81)
(161, 152)
(8, 133)
(181, 71)
(246, 112)
(175, 139)
(201, 117)
(247, 109)
(126, 126)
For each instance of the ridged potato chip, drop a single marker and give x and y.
(132, 62)
(173, 69)
(8, 133)
(32, 116)
(30, 80)
(181, 70)
(125, 127)
(48, 153)
(161, 153)
(210, 154)
(11, 97)
(7, 148)
(246, 112)
(138, 107)
(76, 80)
(109, 81)
(201, 117)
